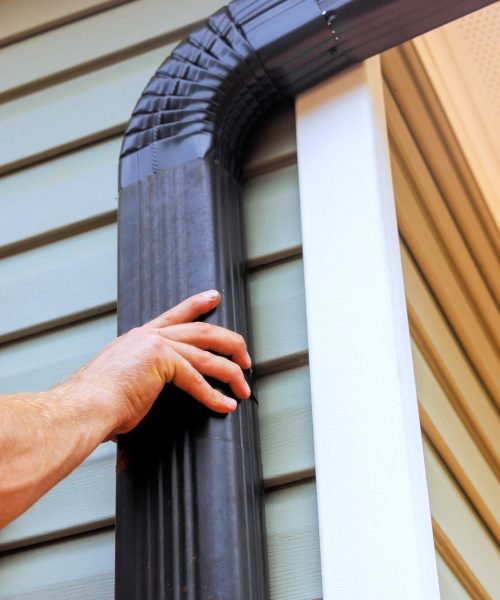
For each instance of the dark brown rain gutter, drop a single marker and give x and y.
(189, 520)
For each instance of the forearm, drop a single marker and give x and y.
(43, 437)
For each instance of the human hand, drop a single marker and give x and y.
(124, 379)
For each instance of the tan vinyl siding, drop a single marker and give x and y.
(449, 586)
(454, 320)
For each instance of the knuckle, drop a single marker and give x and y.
(198, 382)
(240, 341)
(206, 360)
(216, 398)
(138, 336)
(202, 328)
(136, 332)
(155, 342)
(234, 370)
(170, 352)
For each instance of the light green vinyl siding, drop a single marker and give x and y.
(61, 120)
(81, 568)
(89, 43)
(85, 500)
(58, 203)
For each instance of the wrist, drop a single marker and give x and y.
(87, 407)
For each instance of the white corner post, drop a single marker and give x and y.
(374, 519)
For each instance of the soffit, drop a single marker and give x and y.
(462, 60)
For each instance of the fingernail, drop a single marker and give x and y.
(249, 360)
(211, 294)
(230, 403)
(249, 391)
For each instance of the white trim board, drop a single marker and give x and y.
(374, 518)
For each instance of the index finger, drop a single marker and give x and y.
(187, 310)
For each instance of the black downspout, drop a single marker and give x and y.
(189, 519)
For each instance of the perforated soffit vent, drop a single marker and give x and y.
(463, 61)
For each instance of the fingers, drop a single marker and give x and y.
(186, 346)
(187, 378)
(211, 337)
(188, 310)
(214, 366)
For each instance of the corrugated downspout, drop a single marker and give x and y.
(189, 483)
